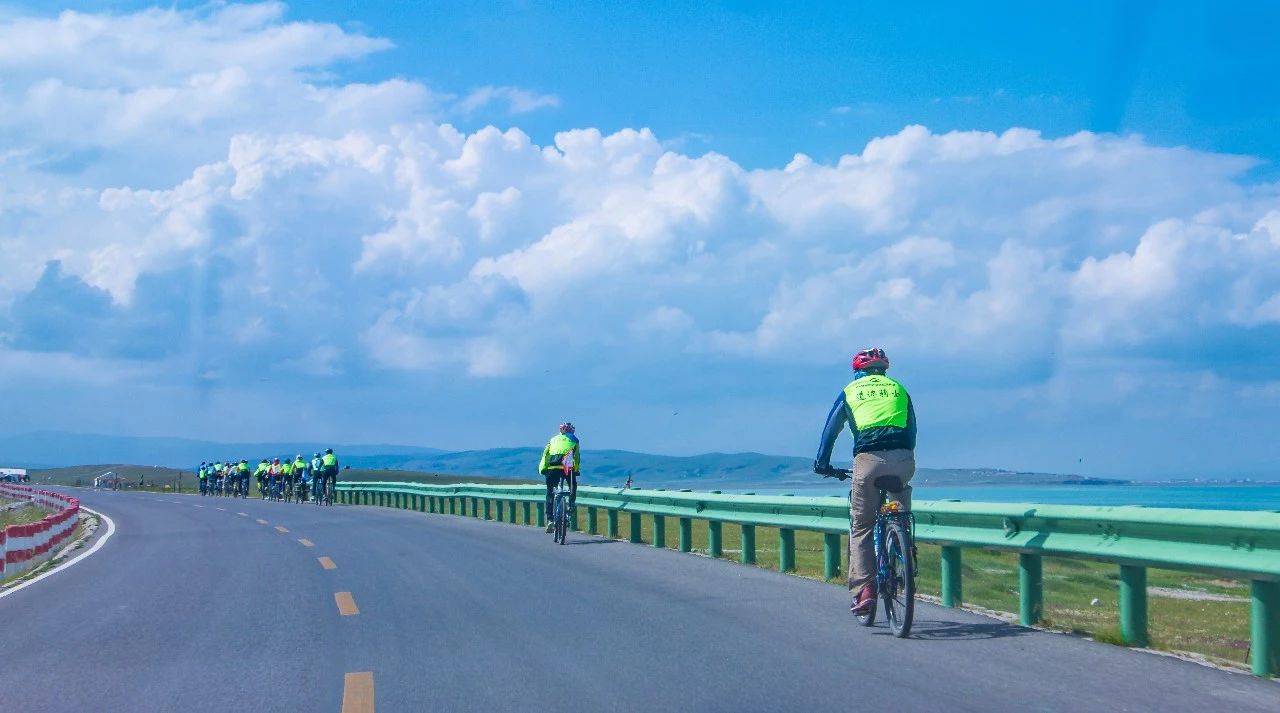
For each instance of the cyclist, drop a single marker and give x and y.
(883, 421)
(316, 466)
(215, 485)
(202, 475)
(273, 478)
(286, 471)
(242, 478)
(300, 466)
(329, 470)
(551, 467)
(260, 473)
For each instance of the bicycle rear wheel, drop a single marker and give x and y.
(562, 519)
(899, 590)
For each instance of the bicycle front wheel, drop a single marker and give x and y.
(899, 591)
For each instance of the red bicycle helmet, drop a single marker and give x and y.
(566, 428)
(870, 359)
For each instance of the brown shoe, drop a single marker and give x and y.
(865, 599)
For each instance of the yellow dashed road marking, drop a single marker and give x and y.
(357, 692)
(305, 542)
(346, 604)
(327, 563)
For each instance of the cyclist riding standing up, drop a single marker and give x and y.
(883, 421)
(551, 467)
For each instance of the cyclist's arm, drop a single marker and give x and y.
(577, 459)
(836, 421)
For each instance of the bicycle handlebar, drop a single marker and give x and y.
(840, 473)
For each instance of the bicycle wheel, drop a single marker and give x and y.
(562, 519)
(899, 590)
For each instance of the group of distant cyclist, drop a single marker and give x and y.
(283, 480)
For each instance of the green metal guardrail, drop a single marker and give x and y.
(1241, 545)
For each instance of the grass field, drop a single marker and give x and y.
(20, 516)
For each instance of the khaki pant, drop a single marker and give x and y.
(864, 503)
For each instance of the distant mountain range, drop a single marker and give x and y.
(55, 449)
(50, 449)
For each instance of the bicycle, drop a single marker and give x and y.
(560, 529)
(894, 540)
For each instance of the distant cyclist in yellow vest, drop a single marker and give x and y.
(561, 446)
(328, 475)
(883, 421)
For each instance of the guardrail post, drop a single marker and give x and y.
(488, 514)
(748, 555)
(830, 554)
(715, 540)
(422, 503)
(593, 521)
(1264, 620)
(636, 527)
(542, 516)
(502, 511)
(526, 507)
(399, 501)
(686, 534)
(453, 505)
(1031, 589)
(511, 512)
(659, 531)
(1133, 605)
(786, 549)
(611, 524)
(952, 589)
(573, 518)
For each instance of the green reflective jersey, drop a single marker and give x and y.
(558, 448)
(875, 401)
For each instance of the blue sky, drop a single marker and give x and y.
(456, 226)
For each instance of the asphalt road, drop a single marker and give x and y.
(191, 607)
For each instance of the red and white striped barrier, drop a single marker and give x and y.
(25, 546)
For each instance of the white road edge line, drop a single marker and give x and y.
(111, 529)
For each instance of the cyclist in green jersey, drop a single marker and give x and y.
(260, 474)
(561, 446)
(880, 414)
